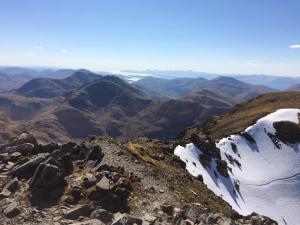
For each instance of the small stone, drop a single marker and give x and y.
(12, 185)
(149, 218)
(10, 165)
(103, 184)
(168, 209)
(15, 156)
(11, 210)
(89, 180)
(68, 200)
(56, 218)
(75, 213)
(5, 193)
(4, 157)
(128, 220)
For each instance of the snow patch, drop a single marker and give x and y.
(269, 174)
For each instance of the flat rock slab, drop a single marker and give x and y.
(30, 166)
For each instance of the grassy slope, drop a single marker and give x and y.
(246, 114)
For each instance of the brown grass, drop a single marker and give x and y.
(246, 114)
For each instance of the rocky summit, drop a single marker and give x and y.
(100, 181)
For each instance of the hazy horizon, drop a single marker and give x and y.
(150, 72)
(222, 37)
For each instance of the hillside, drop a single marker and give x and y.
(212, 98)
(178, 87)
(49, 87)
(12, 81)
(245, 114)
(106, 106)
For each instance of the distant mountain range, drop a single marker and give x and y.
(20, 75)
(180, 87)
(274, 82)
(106, 106)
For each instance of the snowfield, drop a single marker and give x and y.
(269, 175)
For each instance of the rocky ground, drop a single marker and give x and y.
(101, 181)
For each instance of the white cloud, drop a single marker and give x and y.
(294, 46)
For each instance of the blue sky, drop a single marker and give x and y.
(222, 36)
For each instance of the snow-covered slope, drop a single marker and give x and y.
(264, 172)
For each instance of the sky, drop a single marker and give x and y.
(216, 36)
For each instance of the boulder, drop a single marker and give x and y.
(102, 188)
(48, 175)
(112, 198)
(47, 182)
